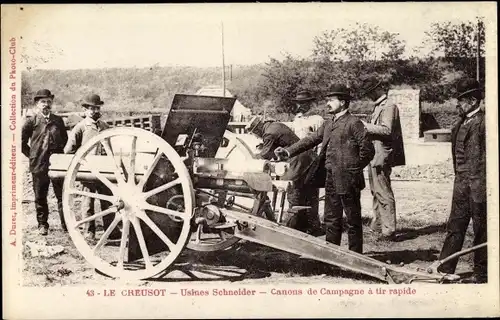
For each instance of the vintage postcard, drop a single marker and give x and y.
(291, 160)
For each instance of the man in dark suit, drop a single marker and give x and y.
(346, 151)
(47, 134)
(274, 135)
(384, 129)
(469, 189)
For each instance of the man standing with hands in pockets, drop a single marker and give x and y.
(346, 151)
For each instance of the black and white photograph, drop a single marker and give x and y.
(250, 160)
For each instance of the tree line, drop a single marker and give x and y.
(353, 54)
(343, 54)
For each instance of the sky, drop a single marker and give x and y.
(97, 36)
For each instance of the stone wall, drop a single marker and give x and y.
(408, 102)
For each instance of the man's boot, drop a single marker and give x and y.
(295, 218)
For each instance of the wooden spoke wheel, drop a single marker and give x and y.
(220, 236)
(139, 172)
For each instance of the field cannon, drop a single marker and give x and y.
(168, 192)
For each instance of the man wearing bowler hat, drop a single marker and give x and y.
(305, 123)
(384, 129)
(275, 134)
(47, 135)
(86, 129)
(469, 189)
(346, 151)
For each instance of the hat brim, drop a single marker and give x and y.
(371, 89)
(40, 97)
(304, 99)
(86, 104)
(339, 94)
(250, 127)
(468, 92)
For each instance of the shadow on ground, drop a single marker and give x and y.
(250, 261)
(412, 233)
(405, 256)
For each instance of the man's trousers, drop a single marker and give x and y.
(41, 182)
(335, 205)
(463, 209)
(88, 207)
(298, 195)
(384, 204)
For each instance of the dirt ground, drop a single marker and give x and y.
(423, 208)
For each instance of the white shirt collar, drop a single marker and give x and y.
(44, 116)
(305, 114)
(340, 114)
(91, 121)
(470, 114)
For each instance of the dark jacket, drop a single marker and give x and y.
(45, 137)
(348, 151)
(475, 154)
(276, 134)
(385, 131)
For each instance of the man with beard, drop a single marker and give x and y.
(86, 129)
(47, 135)
(469, 189)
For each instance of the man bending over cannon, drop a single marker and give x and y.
(47, 135)
(274, 135)
(346, 151)
(86, 129)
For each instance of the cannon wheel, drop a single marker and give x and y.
(128, 203)
(221, 240)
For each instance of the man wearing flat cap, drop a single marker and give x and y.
(346, 151)
(384, 129)
(46, 134)
(305, 123)
(275, 134)
(469, 189)
(83, 131)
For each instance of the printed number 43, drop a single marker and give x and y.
(90, 293)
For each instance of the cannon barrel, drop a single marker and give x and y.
(59, 164)
(225, 184)
(209, 173)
